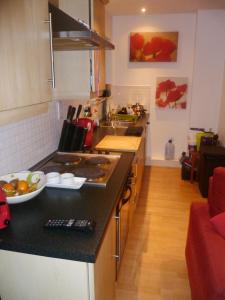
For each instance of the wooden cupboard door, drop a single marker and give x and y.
(25, 57)
(140, 164)
(105, 266)
(41, 59)
(98, 24)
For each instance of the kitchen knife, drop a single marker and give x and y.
(72, 113)
(78, 111)
(69, 112)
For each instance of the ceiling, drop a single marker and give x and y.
(133, 7)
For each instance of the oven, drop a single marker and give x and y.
(122, 221)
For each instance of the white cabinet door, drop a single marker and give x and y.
(73, 68)
(33, 277)
(25, 57)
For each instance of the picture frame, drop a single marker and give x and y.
(153, 46)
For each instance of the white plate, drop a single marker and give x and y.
(78, 182)
(23, 176)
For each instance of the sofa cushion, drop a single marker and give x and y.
(218, 223)
(217, 192)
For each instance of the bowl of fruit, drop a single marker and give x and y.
(22, 186)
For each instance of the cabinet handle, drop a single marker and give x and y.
(52, 80)
(117, 255)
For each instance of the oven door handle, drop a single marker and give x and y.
(126, 199)
(118, 242)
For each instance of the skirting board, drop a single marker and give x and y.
(162, 163)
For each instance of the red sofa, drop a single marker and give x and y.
(205, 248)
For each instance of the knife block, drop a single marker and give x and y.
(87, 124)
(72, 137)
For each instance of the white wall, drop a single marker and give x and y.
(201, 53)
(208, 69)
(164, 123)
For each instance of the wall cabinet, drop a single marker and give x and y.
(25, 53)
(73, 68)
(58, 278)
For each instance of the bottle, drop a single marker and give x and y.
(169, 150)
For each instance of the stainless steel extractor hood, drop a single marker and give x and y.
(71, 34)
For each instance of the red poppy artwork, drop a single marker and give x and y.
(153, 46)
(171, 92)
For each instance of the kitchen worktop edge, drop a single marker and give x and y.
(27, 235)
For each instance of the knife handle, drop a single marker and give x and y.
(69, 112)
(79, 111)
(73, 110)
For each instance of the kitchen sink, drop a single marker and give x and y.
(134, 131)
(117, 123)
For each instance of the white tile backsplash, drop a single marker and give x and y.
(25, 143)
(124, 95)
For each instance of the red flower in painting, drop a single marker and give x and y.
(168, 47)
(166, 85)
(133, 54)
(182, 88)
(137, 41)
(167, 92)
(159, 49)
(161, 103)
(153, 47)
(136, 45)
(174, 95)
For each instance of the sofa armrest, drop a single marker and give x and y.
(205, 256)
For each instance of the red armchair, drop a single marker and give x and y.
(205, 248)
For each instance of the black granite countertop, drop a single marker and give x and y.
(27, 235)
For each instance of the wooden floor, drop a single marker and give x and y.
(153, 265)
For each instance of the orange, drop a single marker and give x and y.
(8, 188)
(22, 186)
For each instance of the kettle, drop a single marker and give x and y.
(4, 211)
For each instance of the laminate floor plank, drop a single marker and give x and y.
(153, 266)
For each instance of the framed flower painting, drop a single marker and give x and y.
(153, 46)
(171, 92)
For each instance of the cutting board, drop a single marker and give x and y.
(119, 143)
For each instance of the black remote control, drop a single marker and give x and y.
(85, 225)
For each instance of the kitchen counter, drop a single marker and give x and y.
(27, 235)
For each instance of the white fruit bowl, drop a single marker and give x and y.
(23, 176)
